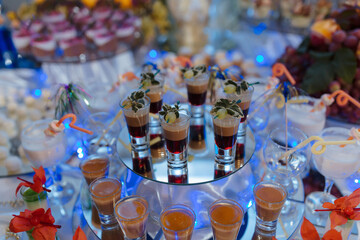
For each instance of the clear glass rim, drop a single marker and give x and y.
(174, 207)
(101, 179)
(338, 130)
(195, 78)
(228, 201)
(92, 157)
(276, 184)
(184, 121)
(31, 126)
(271, 136)
(137, 197)
(147, 101)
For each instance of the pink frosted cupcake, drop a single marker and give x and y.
(53, 17)
(36, 25)
(43, 46)
(124, 32)
(106, 42)
(22, 39)
(54, 27)
(98, 29)
(65, 33)
(102, 13)
(117, 16)
(73, 47)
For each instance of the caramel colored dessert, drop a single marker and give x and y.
(94, 168)
(105, 193)
(244, 105)
(176, 131)
(226, 221)
(269, 201)
(226, 128)
(154, 94)
(197, 87)
(132, 216)
(197, 145)
(136, 120)
(177, 225)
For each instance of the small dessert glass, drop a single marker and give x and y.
(93, 167)
(226, 216)
(197, 143)
(138, 125)
(225, 133)
(177, 222)
(105, 192)
(34, 200)
(197, 89)
(132, 214)
(142, 163)
(269, 200)
(176, 138)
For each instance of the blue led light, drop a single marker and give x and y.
(80, 155)
(260, 28)
(249, 205)
(66, 125)
(79, 150)
(37, 92)
(259, 58)
(356, 180)
(153, 53)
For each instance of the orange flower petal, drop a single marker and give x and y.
(19, 224)
(79, 234)
(44, 233)
(332, 234)
(20, 185)
(40, 173)
(47, 217)
(355, 216)
(328, 205)
(338, 202)
(273, 238)
(308, 231)
(337, 219)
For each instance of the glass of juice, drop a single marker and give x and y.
(93, 167)
(136, 107)
(269, 200)
(177, 222)
(132, 214)
(176, 139)
(226, 216)
(105, 192)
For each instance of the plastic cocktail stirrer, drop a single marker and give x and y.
(342, 98)
(279, 69)
(73, 120)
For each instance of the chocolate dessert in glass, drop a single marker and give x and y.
(142, 162)
(93, 167)
(136, 108)
(175, 124)
(226, 117)
(197, 80)
(269, 200)
(197, 142)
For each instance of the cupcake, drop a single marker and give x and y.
(117, 16)
(102, 13)
(98, 29)
(73, 47)
(106, 42)
(53, 17)
(22, 39)
(36, 25)
(43, 46)
(65, 33)
(125, 32)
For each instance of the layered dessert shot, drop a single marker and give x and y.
(105, 42)
(22, 40)
(197, 80)
(226, 117)
(142, 163)
(226, 217)
(136, 108)
(132, 214)
(175, 127)
(302, 116)
(73, 47)
(197, 142)
(153, 85)
(43, 46)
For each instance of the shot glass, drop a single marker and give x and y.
(157, 149)
(34, 200)
(142, 163)
(177, 222)
(225, 131)
(93, 167)
(138, 125)
(105, 192)
(226, 216)
(269, 200)
(132, 214)
(197, 142)
(197, 89)
(244, 104)
(155, 94)
(240, 152)
(176, 139)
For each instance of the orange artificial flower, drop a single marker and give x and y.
(40, 222)
(344, 209)
(325, 28)
(39, 180)
(79, 234)
(89, 3)
(129, 76)
(183, 61)
(308, 232)
(39, 1)
(124, 4)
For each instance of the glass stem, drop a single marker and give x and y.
(328, 186)
(52, 172)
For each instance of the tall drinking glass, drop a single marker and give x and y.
(132, 214)
(176, 139)
(42, 150)
(93, 167)
(197, 89)
(177, 222)
(269, 200)
(226, 216)
(335, 163)
(138, 124)
(225, 131)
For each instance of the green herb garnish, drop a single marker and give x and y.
(224, 107)
(136, 101)
(169, 113)
(238, 88)
(148, 79)
(193, 71)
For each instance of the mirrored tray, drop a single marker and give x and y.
(203, 161)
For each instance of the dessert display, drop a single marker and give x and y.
(226, 217)
(197, 141)
(177, 222)
(132, 214)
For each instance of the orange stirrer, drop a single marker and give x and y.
(279, 69)
(73, 120)
(350, 138)
(343, 98)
